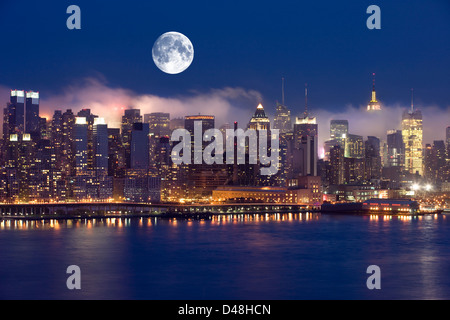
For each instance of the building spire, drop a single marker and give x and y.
(374, 94)
(412, 100)
(306, 100)
(282, 91)
(373, 82)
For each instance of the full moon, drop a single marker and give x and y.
(173, 52)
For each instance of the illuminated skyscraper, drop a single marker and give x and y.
(159, 124)
(259, 120)
(396, 149)
(13, 117)
(373, 105)
(372, 158)
(354, 146)
(81, 145)
(306, 140)
(86, 113)
(412, 132)
(139, 146)
(100, 139)
(130, 117)
(32, 112)
(339, 131)
(282, 119)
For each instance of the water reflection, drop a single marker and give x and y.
(57, 224)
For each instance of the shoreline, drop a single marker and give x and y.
(204, 215)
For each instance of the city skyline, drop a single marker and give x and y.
(361, 121)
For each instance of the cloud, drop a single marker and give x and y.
(365, 123)
(227, 105)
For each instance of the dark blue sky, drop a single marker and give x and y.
(248, 44)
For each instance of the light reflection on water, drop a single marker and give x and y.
(120, 222)
(235, 256)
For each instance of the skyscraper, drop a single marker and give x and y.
(306, 140)
(139, 146)
(259, 120)
(81, 145)
(439, 162)
(159, 124)
(354, 146)
(13, 117)
(372, 158)
(282, 119)
(373, 105)
(412, 132)
(337, 170)
(32, 113)
(130, 117)
(396, 149)
(339, 131)
(100, 139)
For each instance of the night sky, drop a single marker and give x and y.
(238, 44)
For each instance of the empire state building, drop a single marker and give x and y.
(373, 105)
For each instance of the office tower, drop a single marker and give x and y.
(259, 120)
(206, 122)
(81, 145)
(42, 186)
(339, 131)
(354, 170)
(19, 158)
(56, 135)
(336, 174)
(68, 143)
(139, 185)
(130, 117)
(306, 140)
(354, 146)
(199, 178)
(372, 159)
(438, 162)
(396, 149)
(139, 146)
(13, 116)
(100, 139)
(373, 105)
(282, 119)
(159, 124)
(86, 113)
(412, 132)
(32, 113)
(327, 145)
(116, 155)
(428, 162)
(102, 184)
(44, 128)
